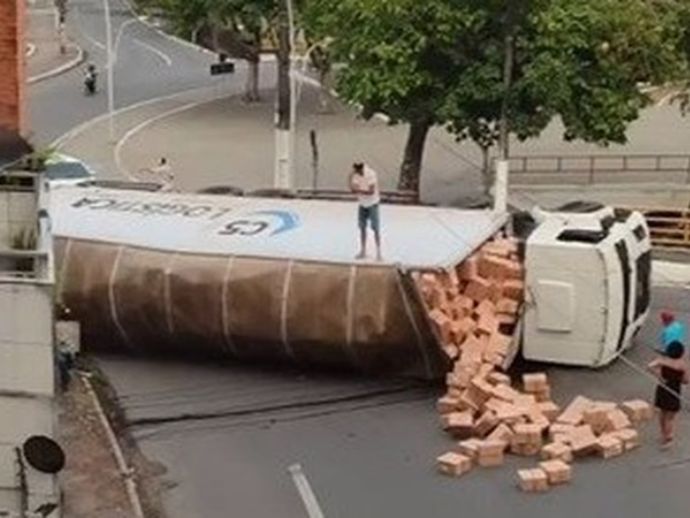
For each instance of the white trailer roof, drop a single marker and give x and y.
(307, 230)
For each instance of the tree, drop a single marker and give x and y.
(582, 62)
(396, 55)
(235, 27)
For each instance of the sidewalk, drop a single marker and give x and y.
(91, 483)
(44, 58)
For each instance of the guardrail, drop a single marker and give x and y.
(589, 169)
(668, 228)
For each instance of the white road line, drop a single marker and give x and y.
(136, 129)
(93, 41)
(166, 59)
(305, 492)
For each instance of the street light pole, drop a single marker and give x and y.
(110, 65)
(293, 95)
(286, 109)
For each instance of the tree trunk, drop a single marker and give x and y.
(251, 92)
(283, 63)
(412, 161)
(325, 99)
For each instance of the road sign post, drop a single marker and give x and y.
(223, 66)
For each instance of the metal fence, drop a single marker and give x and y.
(669, 228)
(589, 169)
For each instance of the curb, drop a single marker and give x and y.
(61, 69)
(125, 470)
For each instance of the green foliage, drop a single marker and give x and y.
(583, 61)
(397, 52)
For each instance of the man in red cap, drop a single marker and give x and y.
(673, 330)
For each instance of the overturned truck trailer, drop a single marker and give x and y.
(256, 278)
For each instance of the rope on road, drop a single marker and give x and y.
(646, 374)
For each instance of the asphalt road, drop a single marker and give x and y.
(228, 433)
(148, 65)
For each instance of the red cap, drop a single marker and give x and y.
(667, 317)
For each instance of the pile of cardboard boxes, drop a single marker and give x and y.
(474, 310)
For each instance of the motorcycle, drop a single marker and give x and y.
(90, 84)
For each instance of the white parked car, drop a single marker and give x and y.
(66, 171)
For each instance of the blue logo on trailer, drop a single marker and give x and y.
(286, 220)
(259, 222)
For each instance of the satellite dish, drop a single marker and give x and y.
(43, 454)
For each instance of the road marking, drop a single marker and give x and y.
(162, 55)
(136, 129)
(305, 491)
(93, 41)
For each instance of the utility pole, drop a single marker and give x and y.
(110, 65)
(286, 110)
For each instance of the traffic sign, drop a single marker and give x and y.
(222, 68)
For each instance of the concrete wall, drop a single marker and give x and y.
(27, 377)
(12, 65)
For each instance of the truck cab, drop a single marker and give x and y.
(587, 285)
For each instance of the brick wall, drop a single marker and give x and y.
(12, 65)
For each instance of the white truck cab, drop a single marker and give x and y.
(587, 285)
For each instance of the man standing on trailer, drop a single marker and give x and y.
(364, 183)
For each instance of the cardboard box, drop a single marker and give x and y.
(527, 434)
(498, 378)
(485, 370)
(505, 393)
(453, 379)
(549, 409)
(557, 451)
(502, 433)
(507, 307)
(510, 414)
(514, 290)
(491, 453)
(485, 424)
(637, 410)
(535, 417)
(616, 420)
(469, 269)
(596, 416)
(453, 464)
(469, 448)
(487, 324)
(630, 438)
(459, 424)
(499, 343)
(573, 413)
(525, 400)
(446, 405)
(534, 382)
(497, 248)
(608, 446)
(557, 471)
(533, 480)
(478, 289)
(544, 394)
(582, 440)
